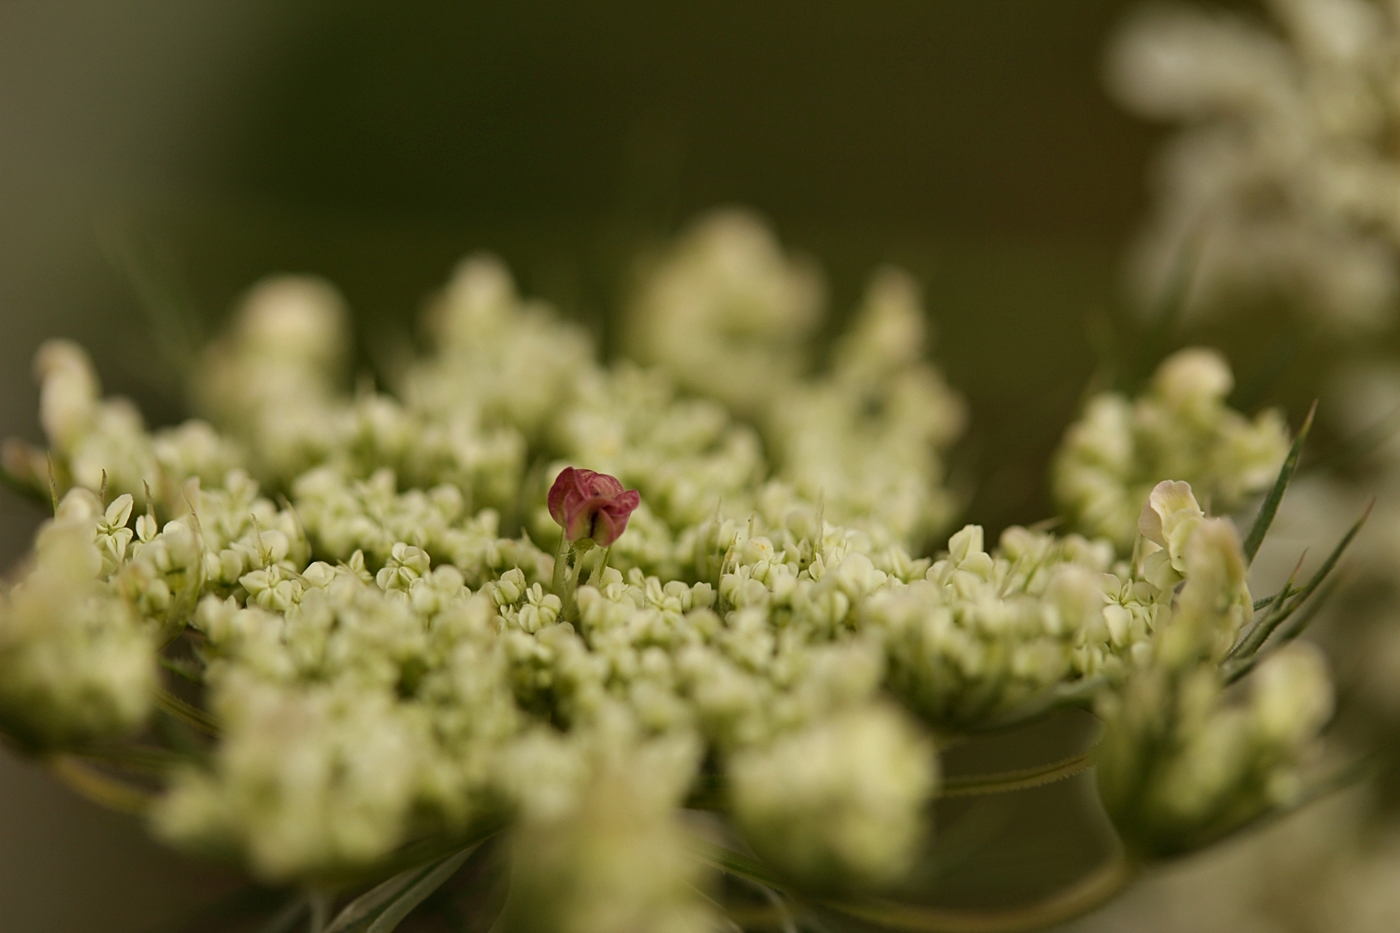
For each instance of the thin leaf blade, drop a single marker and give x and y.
(1269, 508)
(416, 893)
(364, 906)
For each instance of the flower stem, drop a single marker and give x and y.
(560, 565)
(566, 578)
(1092, 891)
(98, 788)
(1021, 779)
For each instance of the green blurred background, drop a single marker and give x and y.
(163, 155)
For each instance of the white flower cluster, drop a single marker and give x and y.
(610, 853)
(289, 342)
(1180, 428)
(1288, 179)
(1183, 762)
(866, 439)
(356, 716)
(102, 444)
(728, 312)
(984, 637)
(729, 316)
(77, 647)
(861, 839)
(388, 657)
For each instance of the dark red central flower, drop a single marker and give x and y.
(591, 506)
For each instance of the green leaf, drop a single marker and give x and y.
(403, 904)
(363, 907)
(1264, 603)
(285, 920)
(731, 862)
(1242, 659)
(1235, 668)
(1274, 604)
(1260, 632)
(1267, 510)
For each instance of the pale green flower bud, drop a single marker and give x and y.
(272, 588)
(509, 588)
(193, 449)
(146, 528)
(540, 609)
(300, 318)
(1183, 763)
(406, 565)
(113, 536)
(424, 677)
(889, 329)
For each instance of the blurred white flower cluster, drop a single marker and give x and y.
(1181, 427)
(1284, 183)
(1287, 178)
(362, 587)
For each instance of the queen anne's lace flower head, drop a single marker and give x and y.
(388, 661)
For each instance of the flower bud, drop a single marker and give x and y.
(591, 507)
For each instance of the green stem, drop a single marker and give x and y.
(560, 563)
(180, 669)
(320, 902)
(1092, 891)
(190, 715)
(98, 788)
(1020, 779)
(566, 578)
(139, 759)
